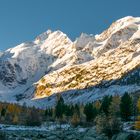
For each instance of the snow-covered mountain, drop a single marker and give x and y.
(25, 64)
(83, 70)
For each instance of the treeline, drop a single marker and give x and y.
(21, 115)
(107, 114)
(123, 107)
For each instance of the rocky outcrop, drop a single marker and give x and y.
(61, 134)
(52, 63)
(116, 54)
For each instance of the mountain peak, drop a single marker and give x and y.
(83, 40)
(65, 65)
(120, 25)
(103, 59)
(42, 37)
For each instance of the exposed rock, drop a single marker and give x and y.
(108, 63)
(125, 136)
(62, 134)
(89, 138)
(91, 133)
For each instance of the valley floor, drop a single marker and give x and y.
(59, 132)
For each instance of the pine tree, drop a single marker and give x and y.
(101, 123)
(60, 108)
(46, 112)
(114, 108)
(109, 125)
(77, 109)
(105, 104)
(137, 123)
(126, 107)
(68, 111)
(82, 115)
(90, 112)
(3, 112)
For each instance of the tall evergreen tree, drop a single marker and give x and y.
(137, 123)
(60, 108)
(105, 104)
(77, 109)
(114, 108)
(68, 111)
(126, 107)
(90, 112)
(3, 112)
(46, 112)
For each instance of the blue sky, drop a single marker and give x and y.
(23, 20)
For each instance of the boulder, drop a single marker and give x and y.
(125, 136)
(102, 137)
(89, 138)
(91, 133)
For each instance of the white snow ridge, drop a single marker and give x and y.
(83, 70)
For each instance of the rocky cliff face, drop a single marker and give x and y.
(113, 54)
(83, 70)
(25, 64)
